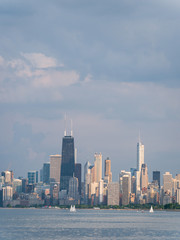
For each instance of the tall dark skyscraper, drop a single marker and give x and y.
(46, 173)
(77, 174)
(68, 162)
(156, 177)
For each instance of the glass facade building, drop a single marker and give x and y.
(156, 177)
(68, 162)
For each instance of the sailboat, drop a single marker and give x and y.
(151, 210)
(72, 208)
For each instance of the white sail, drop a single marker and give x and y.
(72, 208)
(151, 210)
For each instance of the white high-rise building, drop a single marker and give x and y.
(140, 161)
(87, 181)
(107, 172)
(138, 182)
(98, 166)
(140, 155)
(7, 193)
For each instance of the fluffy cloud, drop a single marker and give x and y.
(56, 79)
(24, 78)
(39, 60)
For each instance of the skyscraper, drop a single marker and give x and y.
(167, 182)
(46, 173)
(68, 161)
(87, 181)
(113, 193)
(32, 177)
(140, 161)
(73, 189)
(140, 155)
(98, 166)
(125, 189)
(55, 168)
(77, 174)
(144, 176)
(108, 172)
(156, 177)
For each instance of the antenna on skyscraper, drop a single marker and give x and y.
(71, 128)
(65, 119)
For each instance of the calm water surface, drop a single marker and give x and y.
(31, 224)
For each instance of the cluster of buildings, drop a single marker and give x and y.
(60, 183)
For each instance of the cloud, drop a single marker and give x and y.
(56, 79)
(39, 60)
(34, 77)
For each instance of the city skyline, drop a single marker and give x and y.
(61, 183)
(112, 66)
(99, 167)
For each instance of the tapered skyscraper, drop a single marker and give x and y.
(140, 161)
(68, 161)
(140, 155)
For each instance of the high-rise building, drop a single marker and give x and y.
(24, 184)
(126, 179)
(17, 185)
(144, 176)
(55, 168)
(167, 182)
(133, 172)
(133, 184)
(140, 161)
(46, 173)
(7, 193)
(140, 155)
(156, 177)
(87, 181)
(7, 177)
(113, 193)
(73, 189)
(77, 174)
(1, 180)
(108, 172)
(98, 166)
(121, 174)
(178, 196)
(138, 182)
(101, 188)
(32, 177)
(68, 162)
(177, 177)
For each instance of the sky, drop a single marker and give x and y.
(111, 66)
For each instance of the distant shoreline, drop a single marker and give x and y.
(118, 209)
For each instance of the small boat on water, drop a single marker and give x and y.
(72, 208)
(151, 210)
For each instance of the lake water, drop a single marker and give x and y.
(31, 224)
